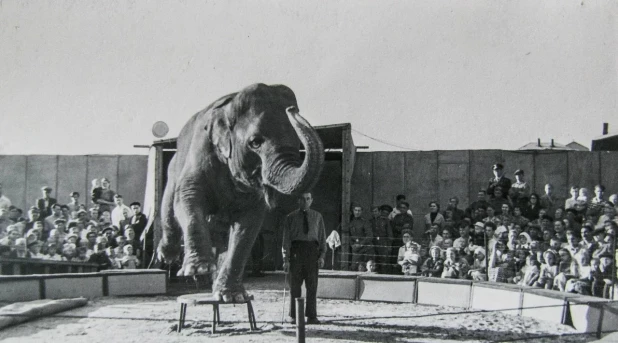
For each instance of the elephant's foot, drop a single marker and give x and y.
(229, 296)
(195, 264)
(168, 251)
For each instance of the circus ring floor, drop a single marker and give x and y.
(154, 318)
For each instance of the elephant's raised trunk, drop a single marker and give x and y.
(284, 174)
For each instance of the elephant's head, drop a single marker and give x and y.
(257, 133)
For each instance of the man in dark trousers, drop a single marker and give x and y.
(138, 222)
(45, 203)
(304, 248)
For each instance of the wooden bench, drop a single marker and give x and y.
(207, 299)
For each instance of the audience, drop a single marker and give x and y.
(73, 232)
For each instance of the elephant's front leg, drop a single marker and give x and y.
(243, 232)
(190, 213)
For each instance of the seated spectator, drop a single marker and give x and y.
(512, 239)
(609, 214)
(129, 233)
(434, 264)
(5, 251)
(108, 232)
(5, 221)
(52, 252)
(581, 282)
(491, 216)
(128, 260)
(434, 239)
(82, 254)
(478, 235)
(20, 250)
(34, 249)
(105, 219)
(458, 214)
(498, 201)
(100, 256)
(125, 220)
(559, 231)
(559, 213)
(549, 270)
(111, 254)
(587, 242)
(66, 212)
(602, 283)
(480, 214)
(570, 202)
(74, 204)
(454, 267)
(69, 251)
(121, 241)
(59, 233)
(395, 211)
(408, 255)
(520, 259)
(490, 238)
(371, 267)
(549, 200)
(530, 274)
(478, 269)
(434, 217)
(532, 210)
(481, 202)
(12, 235)
(524, 241)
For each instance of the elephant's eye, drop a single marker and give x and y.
(256, 142)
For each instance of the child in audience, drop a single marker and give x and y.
(549, 270)
(100, 256)
(34, 248)
(478, 268)
(530, 273)
(68, 251)
(434, 264)
(129, 261)
(582, 281)
(20, 250)
(52, 252)
(82, 254)
(453, 267)
(408, 255)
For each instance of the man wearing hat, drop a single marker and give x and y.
(499, 180)
(60, 232)
(520, 190)
(382, 238)
(45, 203)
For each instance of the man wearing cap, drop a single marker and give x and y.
(382, 238)
(499, 180)
(5, 202)
(45, 203)
(60, 231)
(520, 190)
(361, 238)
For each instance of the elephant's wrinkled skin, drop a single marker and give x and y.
(232, 160)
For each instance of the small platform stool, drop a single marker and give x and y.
(207, 299)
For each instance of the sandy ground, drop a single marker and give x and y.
(154, 319)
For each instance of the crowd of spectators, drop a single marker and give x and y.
(508, 234)
(108, 233)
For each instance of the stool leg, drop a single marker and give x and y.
(252, 324)
(218, 315)
(214, 318)
(181, 319)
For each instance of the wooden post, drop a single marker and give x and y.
(300, 320)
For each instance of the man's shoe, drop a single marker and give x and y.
(313, 321)
(291, 320)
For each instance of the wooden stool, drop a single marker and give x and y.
(207, 299)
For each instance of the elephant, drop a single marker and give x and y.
(234, 159)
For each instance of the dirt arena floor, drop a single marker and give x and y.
(154, 319)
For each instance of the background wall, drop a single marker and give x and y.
(23, 176)
(424, 176)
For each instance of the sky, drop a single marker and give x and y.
(92, 77)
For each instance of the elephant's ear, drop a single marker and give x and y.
(221, 131)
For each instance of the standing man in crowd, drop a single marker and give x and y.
(382, 238)
(548, 200)
(5, 202)
(74, 204)
(117, 211)
(45, 203)
(499, 180)
(361, 238)
(138, 222)
(304, 248)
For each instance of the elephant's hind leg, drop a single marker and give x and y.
(169, 246)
